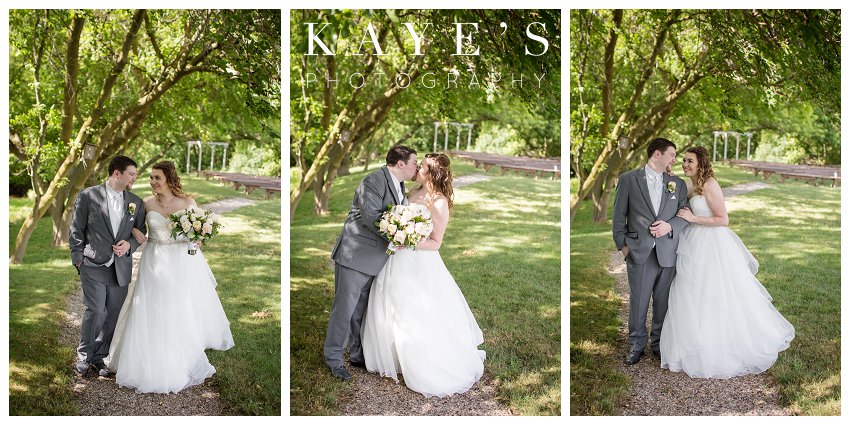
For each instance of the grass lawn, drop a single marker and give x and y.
(248, 375)
(502, 247)
(792, 229)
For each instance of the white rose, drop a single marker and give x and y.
(422, 229)
(410, 228)
(197, 225)
(184, 219)
(392, 228)
(207, 228)
(383, 225)
(406, 216)
(399, 237)
(186, 227)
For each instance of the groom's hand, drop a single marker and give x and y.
(625, 251)
(660, 228)
(121, 248)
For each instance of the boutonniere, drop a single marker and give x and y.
(671, 186)
(131, 208)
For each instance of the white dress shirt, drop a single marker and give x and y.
(116, 212)
(397, 186)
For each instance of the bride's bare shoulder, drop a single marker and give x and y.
(149, 202)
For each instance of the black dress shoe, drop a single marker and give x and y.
(656, 353)
(82, 367)
(341, 372)
(361, 365)
(102, 370)
(633, 357)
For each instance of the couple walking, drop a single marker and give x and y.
(152, 337)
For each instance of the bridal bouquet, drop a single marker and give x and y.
(405, 225)
(195, 225)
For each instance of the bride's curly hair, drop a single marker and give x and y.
(172, 179)
(704, 170)
(440, 176)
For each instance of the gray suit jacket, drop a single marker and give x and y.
(633, 214)
(360, 246)
(91, 237)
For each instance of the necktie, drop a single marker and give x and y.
(654, 191)
(116, 208)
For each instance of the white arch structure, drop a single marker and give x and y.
(725, 135)
(200, 146)
(459, 127)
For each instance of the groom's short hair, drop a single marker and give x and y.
(658, 144)
(120, 163)
(399, 153)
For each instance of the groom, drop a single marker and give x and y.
(646, 230)
(101, 248)
(360, 254)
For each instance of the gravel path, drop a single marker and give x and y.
(468, 180)
(370, 394)
(656, 391)
(97, 396)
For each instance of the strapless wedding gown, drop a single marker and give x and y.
(171, 316)
(720, 320)
(418, 324)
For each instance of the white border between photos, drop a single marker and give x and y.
(285, 5)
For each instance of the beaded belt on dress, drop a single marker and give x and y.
(166, 242)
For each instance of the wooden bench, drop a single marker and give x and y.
(808, 173)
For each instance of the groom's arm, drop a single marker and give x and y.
(77, 233)
(678, 223)
(371, 201)
(139, 220)
(620, 213)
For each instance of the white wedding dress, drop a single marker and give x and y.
(418, 324)
(720, 321)
(171, 316)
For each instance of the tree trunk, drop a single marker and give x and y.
(332, 136)
(60, 216)
(600, 204)
(23, 238)
(120, 129)
(344, 166)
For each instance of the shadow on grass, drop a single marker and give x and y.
(39, 367)
(245, 258)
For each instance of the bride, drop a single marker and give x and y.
(173, 314)
(720, 321)
(418, 322)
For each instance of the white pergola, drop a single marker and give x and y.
(725, 135)
(459, 127)
(200, 146)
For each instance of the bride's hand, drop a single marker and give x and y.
(140, 237)
(686, 214)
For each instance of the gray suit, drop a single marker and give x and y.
(104, 288)
(651, 262)
(359, 255)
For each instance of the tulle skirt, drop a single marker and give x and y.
(720, 320)
(418, 324)
(169, 318)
